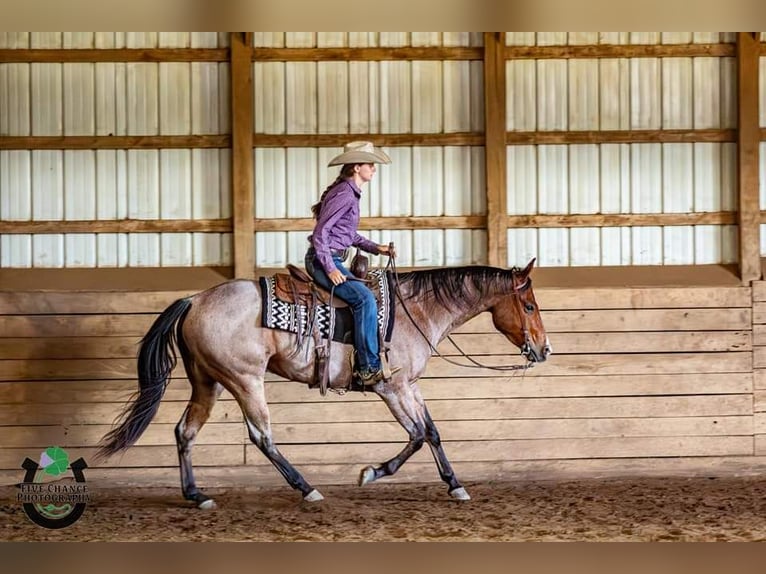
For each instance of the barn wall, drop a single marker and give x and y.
(656, 369)
(359, 97)
(646, 379)
(377, 97)
(603, 94)
(118, 99)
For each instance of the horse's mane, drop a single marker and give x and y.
(461, 286)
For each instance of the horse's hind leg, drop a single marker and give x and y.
(205, 392)
(252, 399)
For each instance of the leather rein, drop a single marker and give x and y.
(517, 289)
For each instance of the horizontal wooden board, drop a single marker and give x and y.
(614, 364)
(557, 365)
(88, 435)
(643, 342)
(552, 298)
(497, 386)
(520, 429)
(76, 325)
(629, 320)
(113, 347)
(77, 436)
(62, 369)
(111, 283)
(501, 450)
(623, 320)
(41, 302)
(493, 409)
(207, 455)
(549, 298)
(70, 347)
(376, 411)
(102, 413)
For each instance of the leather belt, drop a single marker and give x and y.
(342, 253)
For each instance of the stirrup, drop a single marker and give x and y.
(373, 377)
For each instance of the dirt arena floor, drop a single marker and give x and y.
(648, 509)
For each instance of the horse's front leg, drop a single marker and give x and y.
(407, 406)
(456, 490)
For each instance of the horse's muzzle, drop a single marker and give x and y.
(537, 354)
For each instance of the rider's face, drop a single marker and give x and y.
(366, 171)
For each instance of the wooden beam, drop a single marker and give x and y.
(118, 226)
(220, 141)
(440, 53)
(548, 221)
(619, 51)
(621, 136)
(622, 220)
(114, 55)
(368, 223)
(366, 54)
(495, 150)
(388, 140)
(115, 142)
(242, 154)
(748, 142)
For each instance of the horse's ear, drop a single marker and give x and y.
(528, 269)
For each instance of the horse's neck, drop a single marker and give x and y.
(442, 321)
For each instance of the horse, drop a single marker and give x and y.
(222, 344)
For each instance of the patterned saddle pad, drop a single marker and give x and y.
(282, 313)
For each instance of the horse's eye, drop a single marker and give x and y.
(529, 308)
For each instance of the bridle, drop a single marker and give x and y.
(517, 288)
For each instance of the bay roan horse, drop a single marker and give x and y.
(223, 346)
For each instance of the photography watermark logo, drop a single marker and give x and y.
(54, 504)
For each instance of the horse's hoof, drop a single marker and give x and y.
(460, 494)
(367, 475)
(313, 496)
(208, 504)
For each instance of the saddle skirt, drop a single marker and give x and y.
(293, 305)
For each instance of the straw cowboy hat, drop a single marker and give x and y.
(360, 152)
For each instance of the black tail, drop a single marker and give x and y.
(156, 359)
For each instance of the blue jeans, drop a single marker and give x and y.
(363, 306)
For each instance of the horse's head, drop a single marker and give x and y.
(517, 316)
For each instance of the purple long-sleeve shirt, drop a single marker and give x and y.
(337, 225)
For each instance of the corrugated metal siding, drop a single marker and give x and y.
(371, 97)
(77, 99)
(621, 94)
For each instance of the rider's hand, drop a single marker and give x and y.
(387, 250)
(336, 277)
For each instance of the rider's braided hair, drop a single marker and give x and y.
(346, 171)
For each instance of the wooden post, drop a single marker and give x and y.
(495, 150)
(748, 142)
(243, 212)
